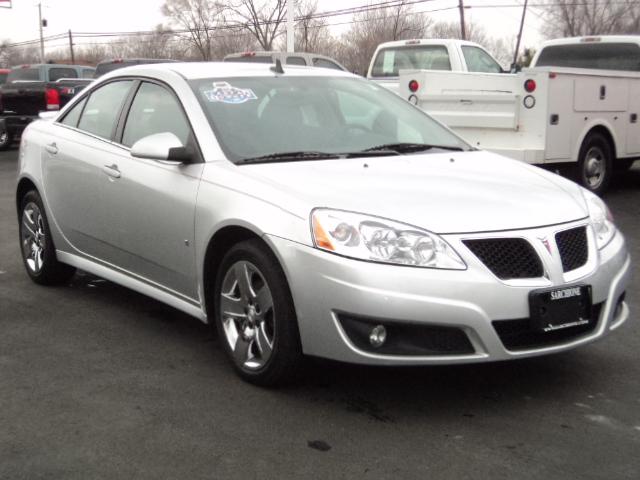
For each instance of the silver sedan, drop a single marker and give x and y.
(309, 212)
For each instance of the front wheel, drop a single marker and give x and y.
(38, 251)
(595, 163)
(255, 316)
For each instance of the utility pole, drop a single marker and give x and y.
(290, 29)
(73, 58)
(515, 55)
(463, 29)
(41, 34)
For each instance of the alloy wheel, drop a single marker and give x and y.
(33, 237)
(247, 312)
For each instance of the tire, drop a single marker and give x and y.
(6, 139)
(36, 244)
(256, 319)
(595, 163)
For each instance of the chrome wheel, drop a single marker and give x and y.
(594, 167)
(4, 138)
(247, 313)
(33, 236)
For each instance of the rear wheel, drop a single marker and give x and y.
(6, 139)
(38, 251)
(255, 317)
(595, 163)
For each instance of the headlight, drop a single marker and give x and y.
(601, 219)
(379, 240)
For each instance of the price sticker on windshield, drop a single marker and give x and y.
(223, 92)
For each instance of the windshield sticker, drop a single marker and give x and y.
(224, 93)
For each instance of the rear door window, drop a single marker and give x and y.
(73, 115)
(56, 74)
(155, 110)
(24, 74)
(324, 63)
(88, 72)
(480, 61)
(599, 56)
(390, 61)
(296, 61)
(103, 108)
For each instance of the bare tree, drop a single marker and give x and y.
(261, 18)
(567, 18)
(312, 34)
(372, 27)
(199, 18)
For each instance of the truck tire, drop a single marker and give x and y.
(6, 140)
(595, 163)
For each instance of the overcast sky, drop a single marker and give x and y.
(21, 22)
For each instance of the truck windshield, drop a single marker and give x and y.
(24, 74)
(390, 61)
(600, 56)
(258, 116)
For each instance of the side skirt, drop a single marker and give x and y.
(132, 283)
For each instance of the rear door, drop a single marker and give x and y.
(76, 160)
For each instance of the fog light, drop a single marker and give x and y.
(378, 336)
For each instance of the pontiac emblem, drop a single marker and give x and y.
(545, 242)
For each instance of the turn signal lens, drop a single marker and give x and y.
(320, 236)
(530, 85)
(414, 86)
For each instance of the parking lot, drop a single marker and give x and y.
(97, 381)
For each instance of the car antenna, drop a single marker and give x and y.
(277, 68)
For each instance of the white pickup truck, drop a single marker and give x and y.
(578, 105)
(450, 55)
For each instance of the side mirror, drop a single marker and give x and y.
(164, 147)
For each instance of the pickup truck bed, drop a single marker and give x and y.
(22, 101)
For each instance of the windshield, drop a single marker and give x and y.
(258, 116)
(24, 74)
(601, 56)
(390, 61)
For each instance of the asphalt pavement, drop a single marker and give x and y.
(97, 381)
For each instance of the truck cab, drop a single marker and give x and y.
(449, 55)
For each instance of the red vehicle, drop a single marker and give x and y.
(4, 72)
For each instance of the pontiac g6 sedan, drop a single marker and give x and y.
(310, 212)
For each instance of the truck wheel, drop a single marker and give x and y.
(595, 163)
(255, 316)
(5, 140)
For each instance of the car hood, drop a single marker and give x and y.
(453, 192)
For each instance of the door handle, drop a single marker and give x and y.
(52, 148)
(111, 170)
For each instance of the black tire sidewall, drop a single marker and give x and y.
(286, 345)
(52, 271)
(600, 141)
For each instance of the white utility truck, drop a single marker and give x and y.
(576, 107)
(449, 55)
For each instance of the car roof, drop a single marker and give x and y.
(593, 39)
(198, 70)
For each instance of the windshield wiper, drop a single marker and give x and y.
(290, 156)
(411, 147)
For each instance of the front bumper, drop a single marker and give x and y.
(325, 286)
